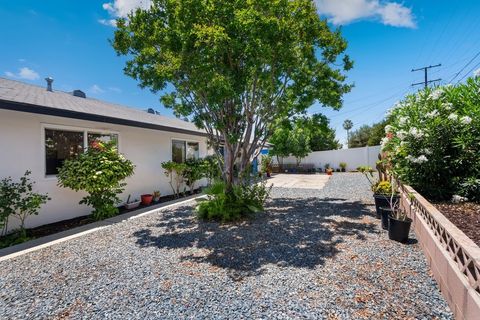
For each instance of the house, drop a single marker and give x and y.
(40, 127)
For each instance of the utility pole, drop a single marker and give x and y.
(425, 70)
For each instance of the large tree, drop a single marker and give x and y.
(322, 136)
(368, 135)
(235, 66)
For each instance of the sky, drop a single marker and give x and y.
(69, 40)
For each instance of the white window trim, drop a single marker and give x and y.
(85, 130)
(186, 141)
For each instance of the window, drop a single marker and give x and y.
(182, 150)
(103, 137)
(59, 146)
(192, 150)
(63, 144)
(178, 151)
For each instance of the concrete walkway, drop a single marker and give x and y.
(299, 181)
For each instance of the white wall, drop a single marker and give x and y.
(355, 157)
(22, 148)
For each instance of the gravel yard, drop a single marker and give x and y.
(315, 254)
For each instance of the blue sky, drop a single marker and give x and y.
(68, 40)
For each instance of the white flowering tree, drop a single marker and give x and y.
(433, 142)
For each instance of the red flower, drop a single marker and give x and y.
(389, 135)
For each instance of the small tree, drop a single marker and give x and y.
(174, 171)
(300, 144)
(193, 171)
(100, 172)
(212, 165)
(18, 199)
(281, 143)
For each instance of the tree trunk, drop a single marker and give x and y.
(229, 163)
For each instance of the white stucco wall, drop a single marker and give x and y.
(22, 148)
(366, 156)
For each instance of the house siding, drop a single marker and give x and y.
(22, 148)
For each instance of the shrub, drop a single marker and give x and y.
(18, 199)
(246, 199)
(193, 171)
(383, 187)
(100, 172)
(433, 142)
(343, 165)
(266, 164)
(212, 168)
(174, 171)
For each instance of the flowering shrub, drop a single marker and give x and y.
(100, 172)
(433, 141)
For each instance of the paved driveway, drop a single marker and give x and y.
(299, 181)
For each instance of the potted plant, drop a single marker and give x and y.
(266, 165)
(131, 204)
(329, 171)
(337, 170)
(156, 196)
(382, 190)
(327, 166)
(385, 196)
(146, 199)
(343, 166)
(399, 226)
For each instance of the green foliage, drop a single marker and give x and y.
(175, 172)
(193, 171)
(300, 143)
(347, 124)
(367, 135)
(433, 142)
(212, 167)
(383, 187)
(246, 200)
(236, 67)
(99, 172)
(343, 165)
(18, 199)
(266, 163)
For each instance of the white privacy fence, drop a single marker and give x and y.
(355, 157)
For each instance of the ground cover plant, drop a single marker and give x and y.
(433, 141)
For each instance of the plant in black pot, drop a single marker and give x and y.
(399, 226)
(382, 190)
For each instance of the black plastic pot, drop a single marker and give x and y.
(382, 200)
(398, 230)
(385, 213)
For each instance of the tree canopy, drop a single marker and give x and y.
(235, 67)
(368, 135)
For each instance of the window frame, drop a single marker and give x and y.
(185, 141)
(59, 127)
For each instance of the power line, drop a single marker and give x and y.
(464, 67)
(469, 72)
(425, 70)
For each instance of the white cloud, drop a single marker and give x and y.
(96, 89)
(121, 8)
(23, 73)
(108, 22)
(347, 11)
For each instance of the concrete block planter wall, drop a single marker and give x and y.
(453, 257)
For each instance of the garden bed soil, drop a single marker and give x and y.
(64, 225)
(466, 216)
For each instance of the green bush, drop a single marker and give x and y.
(212, 168)
(193, 171)
(433, 141)
(100, 172)
(174, 171)
(266, 163)
(17, 199)
(244, 201)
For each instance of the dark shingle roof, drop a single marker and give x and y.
(16, 95)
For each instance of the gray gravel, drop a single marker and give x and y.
(313, 254)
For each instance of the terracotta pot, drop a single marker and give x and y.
(146, 199)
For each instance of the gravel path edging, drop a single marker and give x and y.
(47, 241)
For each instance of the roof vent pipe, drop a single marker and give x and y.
(49, 83)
